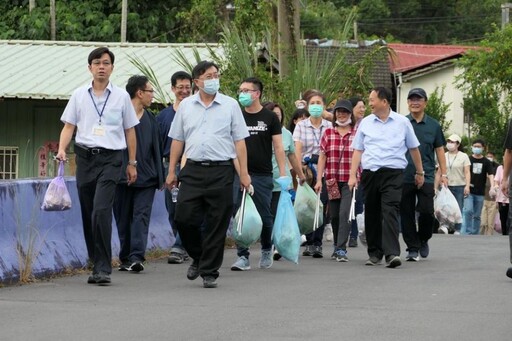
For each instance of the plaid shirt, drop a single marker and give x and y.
(338, 153)
(310, 136)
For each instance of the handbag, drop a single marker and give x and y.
(333, 190)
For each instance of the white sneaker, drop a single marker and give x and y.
(442, 229)
(457, 233)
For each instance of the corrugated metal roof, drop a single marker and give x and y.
(53, 69)
(413, 56)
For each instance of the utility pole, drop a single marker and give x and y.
(505, 14)
(124, 20)
(53, 33)
(288, 26)
(31, 5)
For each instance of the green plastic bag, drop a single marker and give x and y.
(308, 207)
(247, 225)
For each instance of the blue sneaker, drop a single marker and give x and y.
(412, 256)
(341, 256)
(267, 259)
(241, 264)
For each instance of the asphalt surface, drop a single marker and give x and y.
(460, 292)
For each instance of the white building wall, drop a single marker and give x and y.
(452, 95)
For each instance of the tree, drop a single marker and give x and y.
(486, 83)
(437, 108)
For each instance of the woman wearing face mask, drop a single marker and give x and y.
(307, 136)
(459, 175)
(335, 158)
(480, 169)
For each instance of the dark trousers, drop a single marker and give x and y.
(206, 193)
(503, 210)
(340, 210)
(383, 192)
(359, 208)
(425, 207)
(315, 238)
(96, 180)
(132, 211)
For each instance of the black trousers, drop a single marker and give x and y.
(132, 211)
(96, 180)
(425, 207)
(206, 193)
(383, 192)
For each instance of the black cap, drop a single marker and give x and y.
(417, 92)
(345, 104)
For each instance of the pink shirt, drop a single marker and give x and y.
(500, 197)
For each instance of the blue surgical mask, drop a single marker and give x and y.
(477, 150)
(316, 110)
(245, 99)
(211, 86)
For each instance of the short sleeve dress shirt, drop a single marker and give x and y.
(384, 143)
(83, 111)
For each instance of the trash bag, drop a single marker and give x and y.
(286, 234)
(57, 197)
(308, 207)
(446, 208)
(247, 224)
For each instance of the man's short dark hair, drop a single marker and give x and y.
(482, 142)
(97, 53)
(136, 83)
(201, 68)
(256, 82)
(383, 93)
(179, 76)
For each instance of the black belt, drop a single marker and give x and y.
(87, 152)
(211, 163)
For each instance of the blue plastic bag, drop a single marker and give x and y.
(286, 234)
(308, 207)
(57, 197)
(247, 224)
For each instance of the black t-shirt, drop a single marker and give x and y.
(262, 126)
(508, 138)
(480, 169)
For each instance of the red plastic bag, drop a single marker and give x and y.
(57, 197)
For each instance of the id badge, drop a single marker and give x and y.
(98, 130)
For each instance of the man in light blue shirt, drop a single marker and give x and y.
(211, 129)
(380, 145)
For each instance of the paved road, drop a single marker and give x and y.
(459, 293)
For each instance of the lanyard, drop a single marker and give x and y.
(451, 164)
(317, 139)
(100, 113)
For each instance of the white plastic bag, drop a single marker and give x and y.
(57, 197)
(446, 208)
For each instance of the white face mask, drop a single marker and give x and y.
(451, 146)
(343, 124)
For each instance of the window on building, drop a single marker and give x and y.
(9, 162)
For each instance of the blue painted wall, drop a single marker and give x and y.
(55, 238)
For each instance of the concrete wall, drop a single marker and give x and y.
(54, 240)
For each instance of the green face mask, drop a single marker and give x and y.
(315, 110)
(245, 99)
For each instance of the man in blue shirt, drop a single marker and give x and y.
(181, 86)
(210, 128)
(421, 199)
(380, 144)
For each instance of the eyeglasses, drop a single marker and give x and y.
(210, 76)
(244, 91)
(148, 90)
(416, 99)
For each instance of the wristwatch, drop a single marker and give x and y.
(420, 173)
(132, 163)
